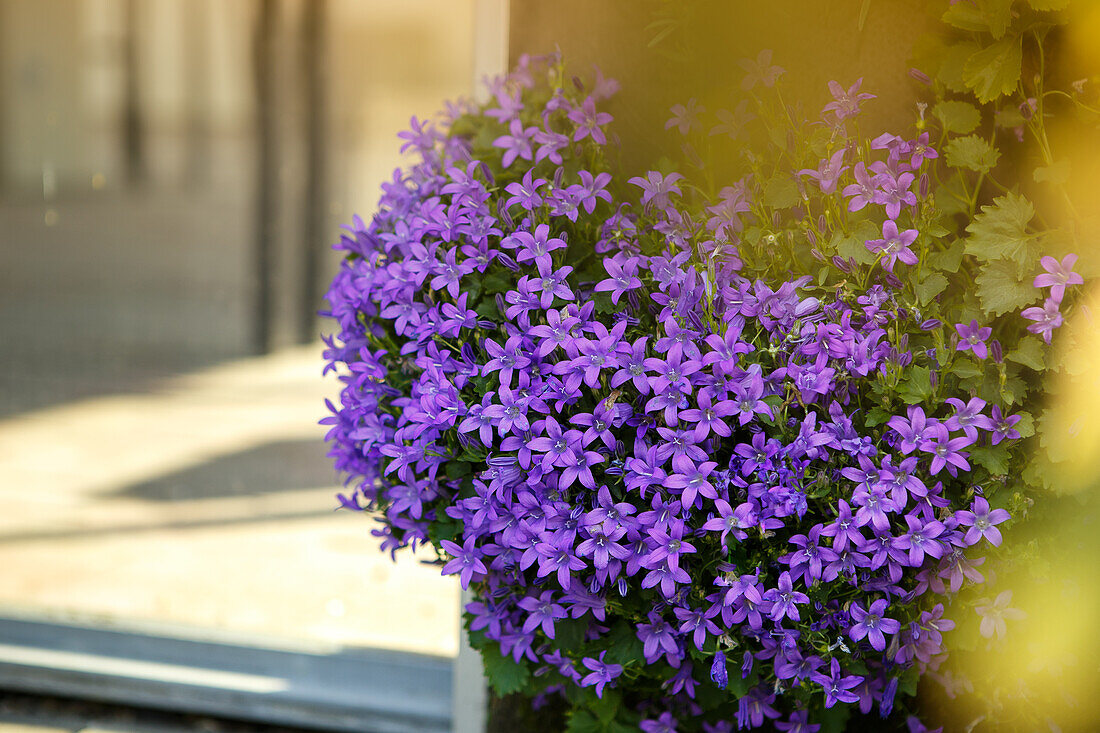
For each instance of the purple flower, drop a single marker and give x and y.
(996, 613)
(623, 278)
(665, 723)
(517, 143)
(872, 624)
(685, 117)
(973, 338)
(467, 560)
(836, 685)
(784, 599)
(1058, 275)
(1003, 425)
(894, 245)
(968, 417)
(846, 102)
(760, 70)
(982, 522)
(525, 192)
(657, 188)
(1047, 318)
(602, 673)
(828, 172)
(541, 612)
(536, 246)
(894, 191)
(862, 192)
(589, 121)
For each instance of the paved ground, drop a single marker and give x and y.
(205, 501)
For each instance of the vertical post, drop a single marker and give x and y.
(470, 699)
(315, 98)
(264, 47)
(133, 133)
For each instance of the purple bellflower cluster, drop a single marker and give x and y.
(688, 456)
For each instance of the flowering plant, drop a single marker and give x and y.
(707, 455)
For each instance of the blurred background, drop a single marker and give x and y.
(172, 175)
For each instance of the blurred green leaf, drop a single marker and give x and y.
(781, 192)
(957, 117)
(993, 72)
(971, 152)
(952, 66)
(1058, 173)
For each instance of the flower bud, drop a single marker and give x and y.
(811, 237)
(931, 324)
(920, 76)
(841, 264)
(816, 254)
(996, 351)
(924, 185)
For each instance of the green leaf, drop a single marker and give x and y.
(957, 117)
(1029, 352)
(932, 285)
(1048, 4)
(947, 260)
(835, 719)
(953, 62)
(1026, 426)
(854, 247)
(582, 721)
(1058, 173)
(1000, 230)
(993, 72)
(876, 416)
(569, 633)
(965, 368)
(503, 674)
(1008, 117)
(781, 192)
(917, 386)
(981, 15)
(966, 16)
(606, 706)
(1000, 289)
(625, 648)
(971, 152)
(993, 458)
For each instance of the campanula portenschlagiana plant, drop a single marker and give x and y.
(709, 456)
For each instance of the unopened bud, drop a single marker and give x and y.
(841, 264)
(924, 185)
(920, 76)
(996, 351)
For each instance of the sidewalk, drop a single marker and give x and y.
(206, 503)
